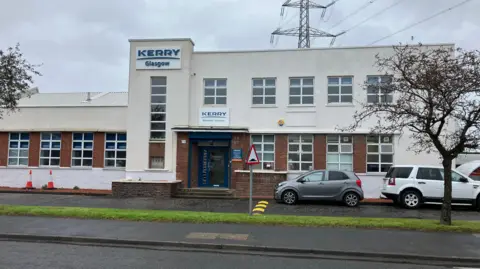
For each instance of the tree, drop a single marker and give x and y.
(16, 76)
(436, 92)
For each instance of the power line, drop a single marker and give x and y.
(421, 21)
(353, 13)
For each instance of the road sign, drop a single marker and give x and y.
(252, 156)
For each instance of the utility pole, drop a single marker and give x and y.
(304, 31)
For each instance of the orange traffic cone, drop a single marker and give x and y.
(29, 185)
(50, 182)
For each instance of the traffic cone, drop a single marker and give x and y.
(50, 182)
(29, 185)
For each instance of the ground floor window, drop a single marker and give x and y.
(300, 152)
(50, 144)
(379, 153)
(18, 149)
(265, 146)
(82, 152)
(339, 152)
(115, 150)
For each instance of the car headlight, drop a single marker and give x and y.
(281, 184)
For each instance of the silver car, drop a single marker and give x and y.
(333, 185)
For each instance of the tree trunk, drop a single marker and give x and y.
(446, 218)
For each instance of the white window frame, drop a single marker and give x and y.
(301, 86)
(381, 94)
(83, 149)
(264, 88)
(300, 152)
(341, 86)
(215, 89)
(119, 145)
(14, 153)
(47, 146)
(344, 144)
(161, 131)
(381, 141)
(261, 151)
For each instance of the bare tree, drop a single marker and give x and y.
(431, 93)
(16, 76)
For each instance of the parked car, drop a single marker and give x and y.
(412, 185)
(330, 185)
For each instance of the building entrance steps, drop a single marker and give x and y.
(206, 193)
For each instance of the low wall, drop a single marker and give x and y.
(155, 189)
(263, 182)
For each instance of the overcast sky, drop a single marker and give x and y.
(83, 45)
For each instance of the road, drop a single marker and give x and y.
(235, 206)
(17, 255)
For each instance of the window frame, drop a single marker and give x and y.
(261, 152)
(83, 149)
(20, 140)
(215, 88)
(300, 152)
(379, 144)
(115, 150)
(50, 148)
(381, 94)
(340, 85)
(161, 131)
(339, 143)
(301, 87)
(264, 88)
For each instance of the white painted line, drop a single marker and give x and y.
(476, 235)
(465, 268)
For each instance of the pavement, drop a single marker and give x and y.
(351, 244)
(236, 206)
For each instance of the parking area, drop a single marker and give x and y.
(237, 206)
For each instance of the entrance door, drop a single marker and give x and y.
(213, 166)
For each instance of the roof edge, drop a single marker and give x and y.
(160, 40)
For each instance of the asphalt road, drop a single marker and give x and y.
(15, 255)
(236, 206)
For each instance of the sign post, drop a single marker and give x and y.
(252, 160)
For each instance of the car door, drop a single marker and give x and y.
(462, 192)
(430, 181)
(333, 184)
(311, 184)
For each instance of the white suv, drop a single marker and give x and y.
(412, 185)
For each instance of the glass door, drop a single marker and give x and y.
(213, 166)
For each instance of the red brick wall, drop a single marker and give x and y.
(281, 152)
(34, 149)
(194, 166)
(359, 153)
(182, 158)
(66, 150)
(4, 148)
(239, 141)
(99, 150)
(320, 151)
(155, 150)
(263, 184)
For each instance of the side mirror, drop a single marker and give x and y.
(301, 180)
(464, 180)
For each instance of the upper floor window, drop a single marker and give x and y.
(158, 111)
(18, 149)
(215, 91)
(301, 91)
(379, 153)
(300, 152)
(115, 149)
(265, 147)
(375, 92)
(340, 90)
(263, 91)
(50, 144)
(82, 150)
(340, 152)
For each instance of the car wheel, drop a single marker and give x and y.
(351, 199)
(411, 199)
(289, 197)
(478, 202)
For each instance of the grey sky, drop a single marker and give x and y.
(83, 44)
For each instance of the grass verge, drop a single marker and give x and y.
(236, 218)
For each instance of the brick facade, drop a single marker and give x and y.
(182, 158)
(263, 184)
(66, 150)
(4, 148)
(34, 150)
(319, 151)
(161, 190)
(98, 150)
(359, 153)
(281, 152)
(155, 150)
(239, 141)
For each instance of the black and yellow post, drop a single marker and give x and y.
(260, 208)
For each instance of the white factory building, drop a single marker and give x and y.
(191, 116)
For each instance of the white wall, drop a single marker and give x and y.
(66, 118)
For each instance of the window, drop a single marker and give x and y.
(314, 177)
(399, 172)
(263, 91)
(157, 162)
(430, 174)
(265, 146)
(377, 91)
(340, 152)
(18, 149)
(215, 91)
(300, 152)
(379, 153)
(50, 149)
(82, 152)
(337, 175)
(158, 108)
(115, 150)
(340, 90)
(301, 91)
